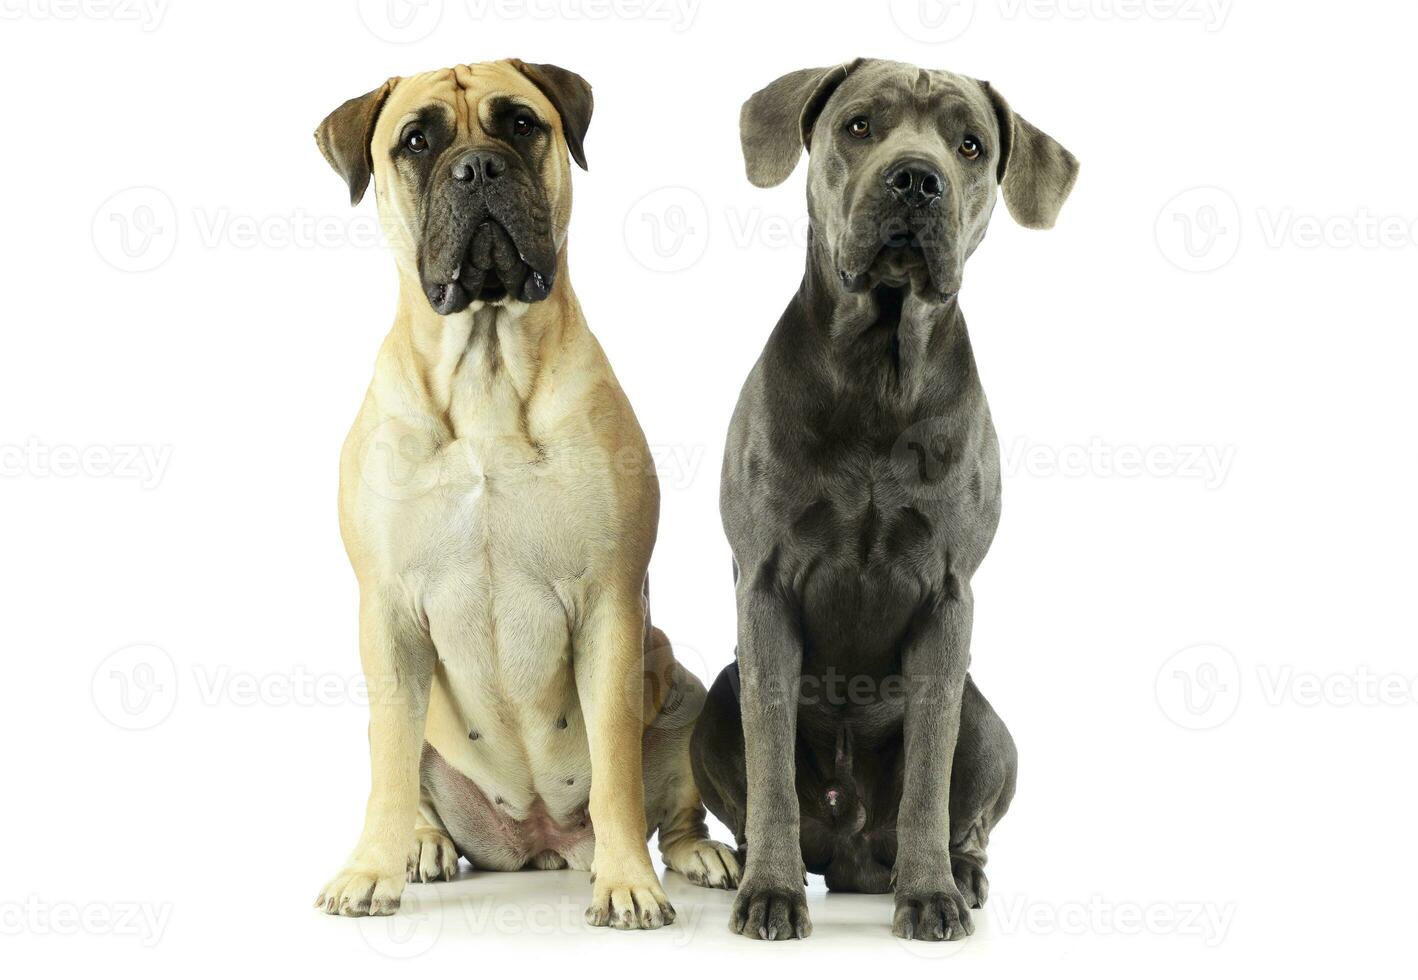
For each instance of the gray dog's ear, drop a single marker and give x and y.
(1036, 174)
(776, 122)
(345, 134)
(570, 94)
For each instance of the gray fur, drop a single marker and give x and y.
(860, 492)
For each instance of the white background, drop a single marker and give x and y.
(1196, 619)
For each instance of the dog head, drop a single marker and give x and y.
(471, 173)
(903, 166)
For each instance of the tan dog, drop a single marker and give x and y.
(499, 506)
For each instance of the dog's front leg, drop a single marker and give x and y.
(928, 903)
(398, 659)
(610, 654)
(772, 901)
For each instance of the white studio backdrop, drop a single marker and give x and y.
(1196, 618)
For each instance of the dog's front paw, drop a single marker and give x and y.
(707, 863)
(433, 858)
(628, 900)
(932, 916)
(361, 891)
(766, 910)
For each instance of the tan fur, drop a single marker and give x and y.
(499, 506)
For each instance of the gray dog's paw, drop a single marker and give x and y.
(970, 879)
(931, 916)
(765, 911)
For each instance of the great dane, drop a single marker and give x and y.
(499, 505)
(861, 490)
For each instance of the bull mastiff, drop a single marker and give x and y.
(499, 506)
(861, 490)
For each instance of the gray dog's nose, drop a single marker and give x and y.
(914, 181)
(477, 166)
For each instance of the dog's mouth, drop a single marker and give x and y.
(490, 269)
(901, 254)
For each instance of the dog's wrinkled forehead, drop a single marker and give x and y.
(462, 98)
(894, 94)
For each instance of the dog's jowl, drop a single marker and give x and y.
(499, 505)
(861, 490)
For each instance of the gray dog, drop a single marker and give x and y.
(861, 490)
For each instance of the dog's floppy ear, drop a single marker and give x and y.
(776, 122)
(570, 94)
(345, 134)
(1036, 174)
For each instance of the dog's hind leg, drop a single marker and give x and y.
(717, 757)
(434, 857)
(672, 801)
(981, 787)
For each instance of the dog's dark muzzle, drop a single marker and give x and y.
(487, 235)
(902, 233)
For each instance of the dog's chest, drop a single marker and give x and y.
(487, 517)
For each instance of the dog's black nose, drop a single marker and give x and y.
(477, 166)
(914, 181)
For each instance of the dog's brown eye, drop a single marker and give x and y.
(970, 148)
(416, 142)
(860, 128)
(523, 126)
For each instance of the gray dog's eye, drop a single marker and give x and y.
(859, 127)
(416, 142)
(970, 148)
